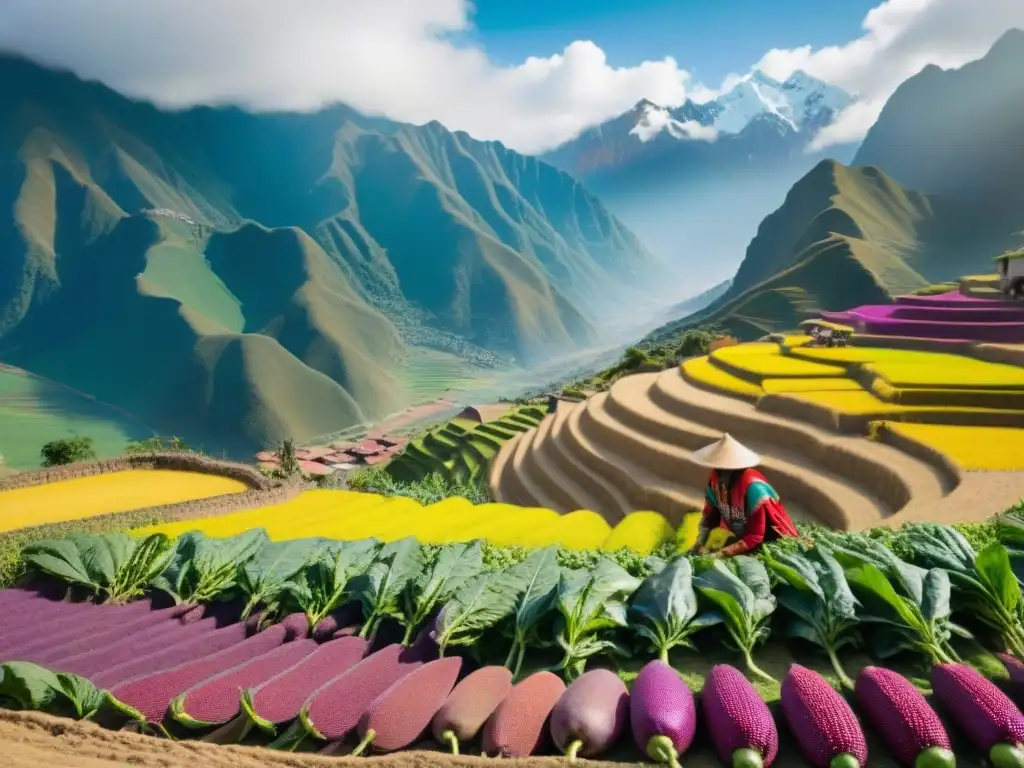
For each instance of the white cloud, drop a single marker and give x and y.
(397, 58)
(900, 38)
(656, 120)
(390, 57)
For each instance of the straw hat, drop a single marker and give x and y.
(727, 453)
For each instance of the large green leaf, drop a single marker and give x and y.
(589, 602)
(453, 565)
(115, 566)
(539, 573)
(325, 581)
(379, 589)
(476, 606)
(666, 608)
(741, 589)
(262, 578)
(204, 568)
(31, 687)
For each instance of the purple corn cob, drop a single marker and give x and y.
(589, 717)
(31, 621)
(825, 727)
(147, 697)
(279, 699)
(903, 718)
(215, 701)
(662, 712)
(130, 648)
(94, 635)
(348, 615)
(335, 708)
(197, 646)
(982, 711)
(739, 722)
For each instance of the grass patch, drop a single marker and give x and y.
(431, 489)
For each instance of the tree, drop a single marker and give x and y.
(286, 455)
(57, 453)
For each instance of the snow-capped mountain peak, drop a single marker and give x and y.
(799, 104)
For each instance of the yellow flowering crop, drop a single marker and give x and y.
(84, 497)
(639, 531)
(773, 364)
(991, 448)
(858, 355)
(828, 384)
(686, 536)
(964, 374)
(515, 528)
(701, 371)
(581, 529)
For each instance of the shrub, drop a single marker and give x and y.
(430, 490)
(157, 444)
(57, 453)
(574, 392)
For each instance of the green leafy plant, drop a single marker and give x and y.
(741, 590)
(822, 607)
(920, 625)
(666, 610)
(324, 583)
(264, 577)
(113, 566)
(451, 566)
(589, 603)
(57, 453)
(380, 588)
(28, 686)
(204, 568)
(477, 606)
(985, 579)
(540, 574)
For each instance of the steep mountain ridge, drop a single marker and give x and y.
(203, 269)
(958, 132)
(843, 237)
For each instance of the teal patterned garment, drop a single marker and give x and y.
(758, 491)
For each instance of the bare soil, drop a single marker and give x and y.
(33, 740)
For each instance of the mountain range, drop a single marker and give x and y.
(934, 193)
(239, 278)
(694, 181)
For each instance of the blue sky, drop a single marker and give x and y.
(711, 38)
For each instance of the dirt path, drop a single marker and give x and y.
(33, 740)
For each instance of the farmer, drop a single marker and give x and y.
(739, 499)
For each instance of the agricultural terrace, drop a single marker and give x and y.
(951, 315)
(808, 410)
(461, 450)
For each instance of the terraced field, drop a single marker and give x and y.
(349, 515)
(950, 315)
(807, 411)
(461, 449)
(103, 494)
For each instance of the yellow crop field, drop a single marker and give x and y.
(964, 374)
(799, 340)
(774, 364)
(860, 355)
(991, 448)
(640, 531)
(349, 515)
(828, 384)
(855, 402)
(702, 372)
(84, 497)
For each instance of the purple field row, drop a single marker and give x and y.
(949, 299)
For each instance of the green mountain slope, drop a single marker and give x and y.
(975, 151)
(843, 237)
(239, 278)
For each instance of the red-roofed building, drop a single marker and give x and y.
(379, 458)
(367, 448)
(314, 468)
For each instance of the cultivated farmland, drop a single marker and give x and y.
(103, 494)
